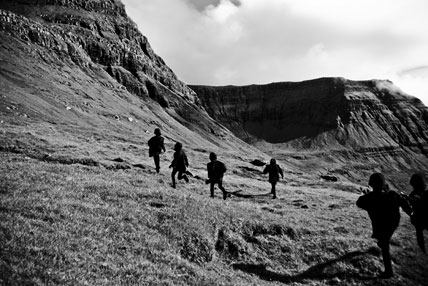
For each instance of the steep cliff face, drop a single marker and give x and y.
(82, 67)
(96, 37)
(326, 113)
(95, 32)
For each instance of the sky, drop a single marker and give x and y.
(242, 42)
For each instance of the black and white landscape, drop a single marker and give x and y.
(81, 92)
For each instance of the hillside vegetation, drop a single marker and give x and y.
(81, 92)
(71, 224)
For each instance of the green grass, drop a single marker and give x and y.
(80, 225)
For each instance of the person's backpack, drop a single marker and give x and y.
(221, 168)
(155, 145)
(151, 147)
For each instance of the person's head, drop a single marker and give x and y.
(157, 132)
(213, 156)
(272, 161)
(418, 182)
(377, 182)
(178, 146)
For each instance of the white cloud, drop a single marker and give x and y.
(251, 41)
(413, 81)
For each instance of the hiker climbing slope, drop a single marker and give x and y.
(156, 146)
(418, 199)
(216, 170)
(179, 164)
(383, 206)
(274, 171)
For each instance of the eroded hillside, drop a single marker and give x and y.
(346, 123)
(81, 71)
(326, 113)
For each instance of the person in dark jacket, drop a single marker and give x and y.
(274, 171)
(418, 199)
(156, 146)
(383, 206)
(179, 164)
(216, 170)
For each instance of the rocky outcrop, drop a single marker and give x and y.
(325, 113)
(96, 32)
(82, 63)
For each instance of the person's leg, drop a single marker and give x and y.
(273, 191)
(182, 175)
(386, 256)
(185, 178)
(420, 239)
(157, 161)
(220, 186)
(174, 171)
(212, 189)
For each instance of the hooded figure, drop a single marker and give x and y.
(179, 164)
(419, 201)
(274, 172)
(383, 207)
(156, 146)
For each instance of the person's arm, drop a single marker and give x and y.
(163, 145)
(186, 162)
(266, 170)
(174, 160)
(280, 172)
(363, 202)
(209, 166)
(405, 204)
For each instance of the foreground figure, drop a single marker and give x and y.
(216, 170)
(179, 164)
(419, 201)
(383, 207)
(274, 171)
(156, 146)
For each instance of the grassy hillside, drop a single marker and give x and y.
(81, 204)
(71, 224)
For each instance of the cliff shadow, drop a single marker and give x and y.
(283, 132)
(316, 272)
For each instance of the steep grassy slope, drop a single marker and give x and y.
(88, 58)
(80, 203)
(81, 225)
(52, 107)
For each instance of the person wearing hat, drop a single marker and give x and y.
(383, 207)
(179, 164)
(419, 201)
(156, 146)
(274, 171)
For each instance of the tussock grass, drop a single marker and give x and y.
(88, 225)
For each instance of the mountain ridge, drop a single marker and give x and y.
(326, 113)
(111, 40)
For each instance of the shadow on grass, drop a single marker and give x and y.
(315, 272)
